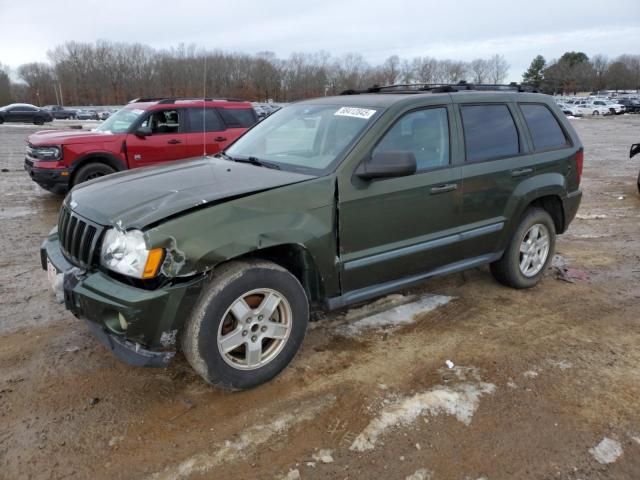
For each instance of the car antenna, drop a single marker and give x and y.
(204, 112)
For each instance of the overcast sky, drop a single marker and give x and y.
(460, 30)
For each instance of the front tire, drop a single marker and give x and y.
(91, 171)
(38, 121)
(529, 252)
(247, 326)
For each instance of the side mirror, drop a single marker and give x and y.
(635, 149)
(143, 132)
(387, 165)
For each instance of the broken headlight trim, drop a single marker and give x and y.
(127, 253)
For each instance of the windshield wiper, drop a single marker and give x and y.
(254, 161)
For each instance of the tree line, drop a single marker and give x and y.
(112, 73)
(108, 73)
(575, 72)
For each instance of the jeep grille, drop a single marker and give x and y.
(78, 238)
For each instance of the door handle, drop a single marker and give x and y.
(174, 141)
(220, 139)
(447, 187)
(521, 172)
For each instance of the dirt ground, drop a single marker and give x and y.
(541, 377)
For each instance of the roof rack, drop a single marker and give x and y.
(442, 88)
(165, 100)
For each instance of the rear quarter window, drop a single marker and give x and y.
(238, 117)
(545, 130)
(489, 132)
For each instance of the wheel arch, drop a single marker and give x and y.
(296, 259)
(97, 157)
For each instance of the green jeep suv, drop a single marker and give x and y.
(326, 203)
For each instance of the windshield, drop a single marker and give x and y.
(121, 121)
(306, 138)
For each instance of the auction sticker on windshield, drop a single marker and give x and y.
(355, 112)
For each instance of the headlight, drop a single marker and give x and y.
(46, 153)
(127, 253)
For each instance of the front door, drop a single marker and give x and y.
(167, 141)
(398, 227)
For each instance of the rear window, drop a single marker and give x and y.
(489, 132)
(238, 117)
(204, 120)
(543, 126)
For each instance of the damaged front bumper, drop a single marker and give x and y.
(139, 326)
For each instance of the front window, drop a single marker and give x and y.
(121, 121)
(307, 138)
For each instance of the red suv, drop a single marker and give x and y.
(147, 131)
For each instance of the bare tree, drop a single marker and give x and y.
(480, 69)
(5, 85)
(498, 69)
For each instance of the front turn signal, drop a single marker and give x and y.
(154, 260)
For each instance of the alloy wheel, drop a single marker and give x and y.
(255, 329)
(534, 250)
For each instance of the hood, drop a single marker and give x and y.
(141, 197)
(58, 137)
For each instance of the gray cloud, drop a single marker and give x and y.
(460, 30)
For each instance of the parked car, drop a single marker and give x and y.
(24, 113)
(145, 132)
(224, 256)
(59, 112)
(635, 150)
(569, 109)
(615, 108)
(630, 105)
(591, 109)
(84, 114)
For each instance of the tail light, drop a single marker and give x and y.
(579, 163)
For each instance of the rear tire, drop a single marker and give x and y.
(1, 120)
(529, 252)
(247, 326)
(91, 171)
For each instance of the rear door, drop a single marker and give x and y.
(237, 120)
(497, 158)
(397, 227)
(206, 133)
(166, 143)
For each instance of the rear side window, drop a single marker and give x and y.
(204, 120)
(238, 117)
(489, 132)
(543, 126)
(425, 133)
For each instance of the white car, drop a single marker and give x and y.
(614, 107)
(592, 109)
(569, 109)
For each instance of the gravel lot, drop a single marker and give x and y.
(545, 382)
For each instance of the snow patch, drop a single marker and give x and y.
(460, 400)
(531, 373)
(323, 456)
(246, 442)
(421, 474)
(394, 317)
(607, 451)
(561, 364)
(292, 475)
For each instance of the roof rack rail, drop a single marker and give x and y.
(165, 100)
(441, 88)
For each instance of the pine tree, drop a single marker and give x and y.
(534, 76)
